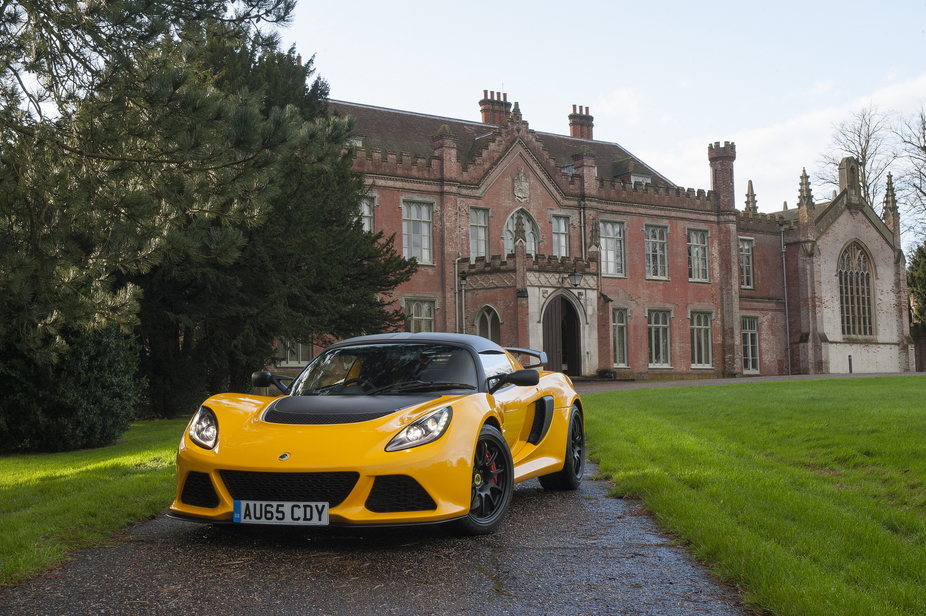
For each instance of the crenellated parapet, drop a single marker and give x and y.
(497, 264)
(665, 196)
(403, 164)
(762, 222)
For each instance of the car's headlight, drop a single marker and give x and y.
(428, 428)
(204, 429)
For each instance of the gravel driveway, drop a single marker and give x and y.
(556, 553)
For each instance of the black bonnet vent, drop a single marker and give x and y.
(330, 410)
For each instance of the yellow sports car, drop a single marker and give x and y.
(383, 430)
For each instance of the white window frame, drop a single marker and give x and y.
(421, 312)
(659, 336)
(366, 213)
(478, 233)
(418, 223)
(656, 243)
(560, 236)
(294, 354)
(701, 339)
(619, 318)
(611, 234)
(531, 233)
(698, 251)
(747, 263)
(750, 341)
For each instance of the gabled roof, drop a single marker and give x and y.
(391, 130)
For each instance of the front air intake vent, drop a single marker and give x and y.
(394, 493)
(331, 488)
(198, 491)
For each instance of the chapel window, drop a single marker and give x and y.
(855, 292)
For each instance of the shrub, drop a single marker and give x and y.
(86, 399)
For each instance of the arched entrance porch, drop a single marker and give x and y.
(561, 336)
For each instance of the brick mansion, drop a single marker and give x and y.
(576, 247)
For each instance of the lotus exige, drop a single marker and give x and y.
(383, 430)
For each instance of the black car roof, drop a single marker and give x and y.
(476, 343)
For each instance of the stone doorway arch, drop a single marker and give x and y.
(561, 340)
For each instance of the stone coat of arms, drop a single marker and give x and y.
(521, 186)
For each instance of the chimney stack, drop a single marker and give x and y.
(580, 123)
(494, 110)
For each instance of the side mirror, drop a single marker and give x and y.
(521, 378)
(262, 378)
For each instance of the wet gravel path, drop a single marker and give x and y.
(556, 553)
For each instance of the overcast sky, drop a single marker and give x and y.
(662, 79)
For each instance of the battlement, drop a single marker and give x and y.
(762, 221)
(717, 152)
(538, 263)
(646, 193)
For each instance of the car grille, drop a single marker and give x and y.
(392, 493)
(277, 417)
(331, 488)
(198, 491)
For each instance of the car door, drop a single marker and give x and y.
(515, 403)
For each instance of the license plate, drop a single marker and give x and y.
(273, 512)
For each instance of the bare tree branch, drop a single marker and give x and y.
(868, 137)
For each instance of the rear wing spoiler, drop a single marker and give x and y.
(539, 355)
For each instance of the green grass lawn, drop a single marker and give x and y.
(53, 503)
(809, 495)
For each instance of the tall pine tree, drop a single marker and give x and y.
(307, 271)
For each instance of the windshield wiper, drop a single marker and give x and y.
(419, 386)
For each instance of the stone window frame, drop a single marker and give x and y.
(560, 236)
(689, 231)
(702, 337)
(426, 256)
(620, 251)
(484, 311)
(304, 353)
(652, 250)
(512, 221)
(621, 346)
(661, 332)
(856, 314)
(747, 263)
(408, 305)
(367, 219)
(752, 343)
(485, 239)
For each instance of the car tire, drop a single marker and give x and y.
(570, 478)
(492, 483)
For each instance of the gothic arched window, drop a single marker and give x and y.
(855, 291)
(488, 325)
(531, 232)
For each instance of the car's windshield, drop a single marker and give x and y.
(388, 368)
